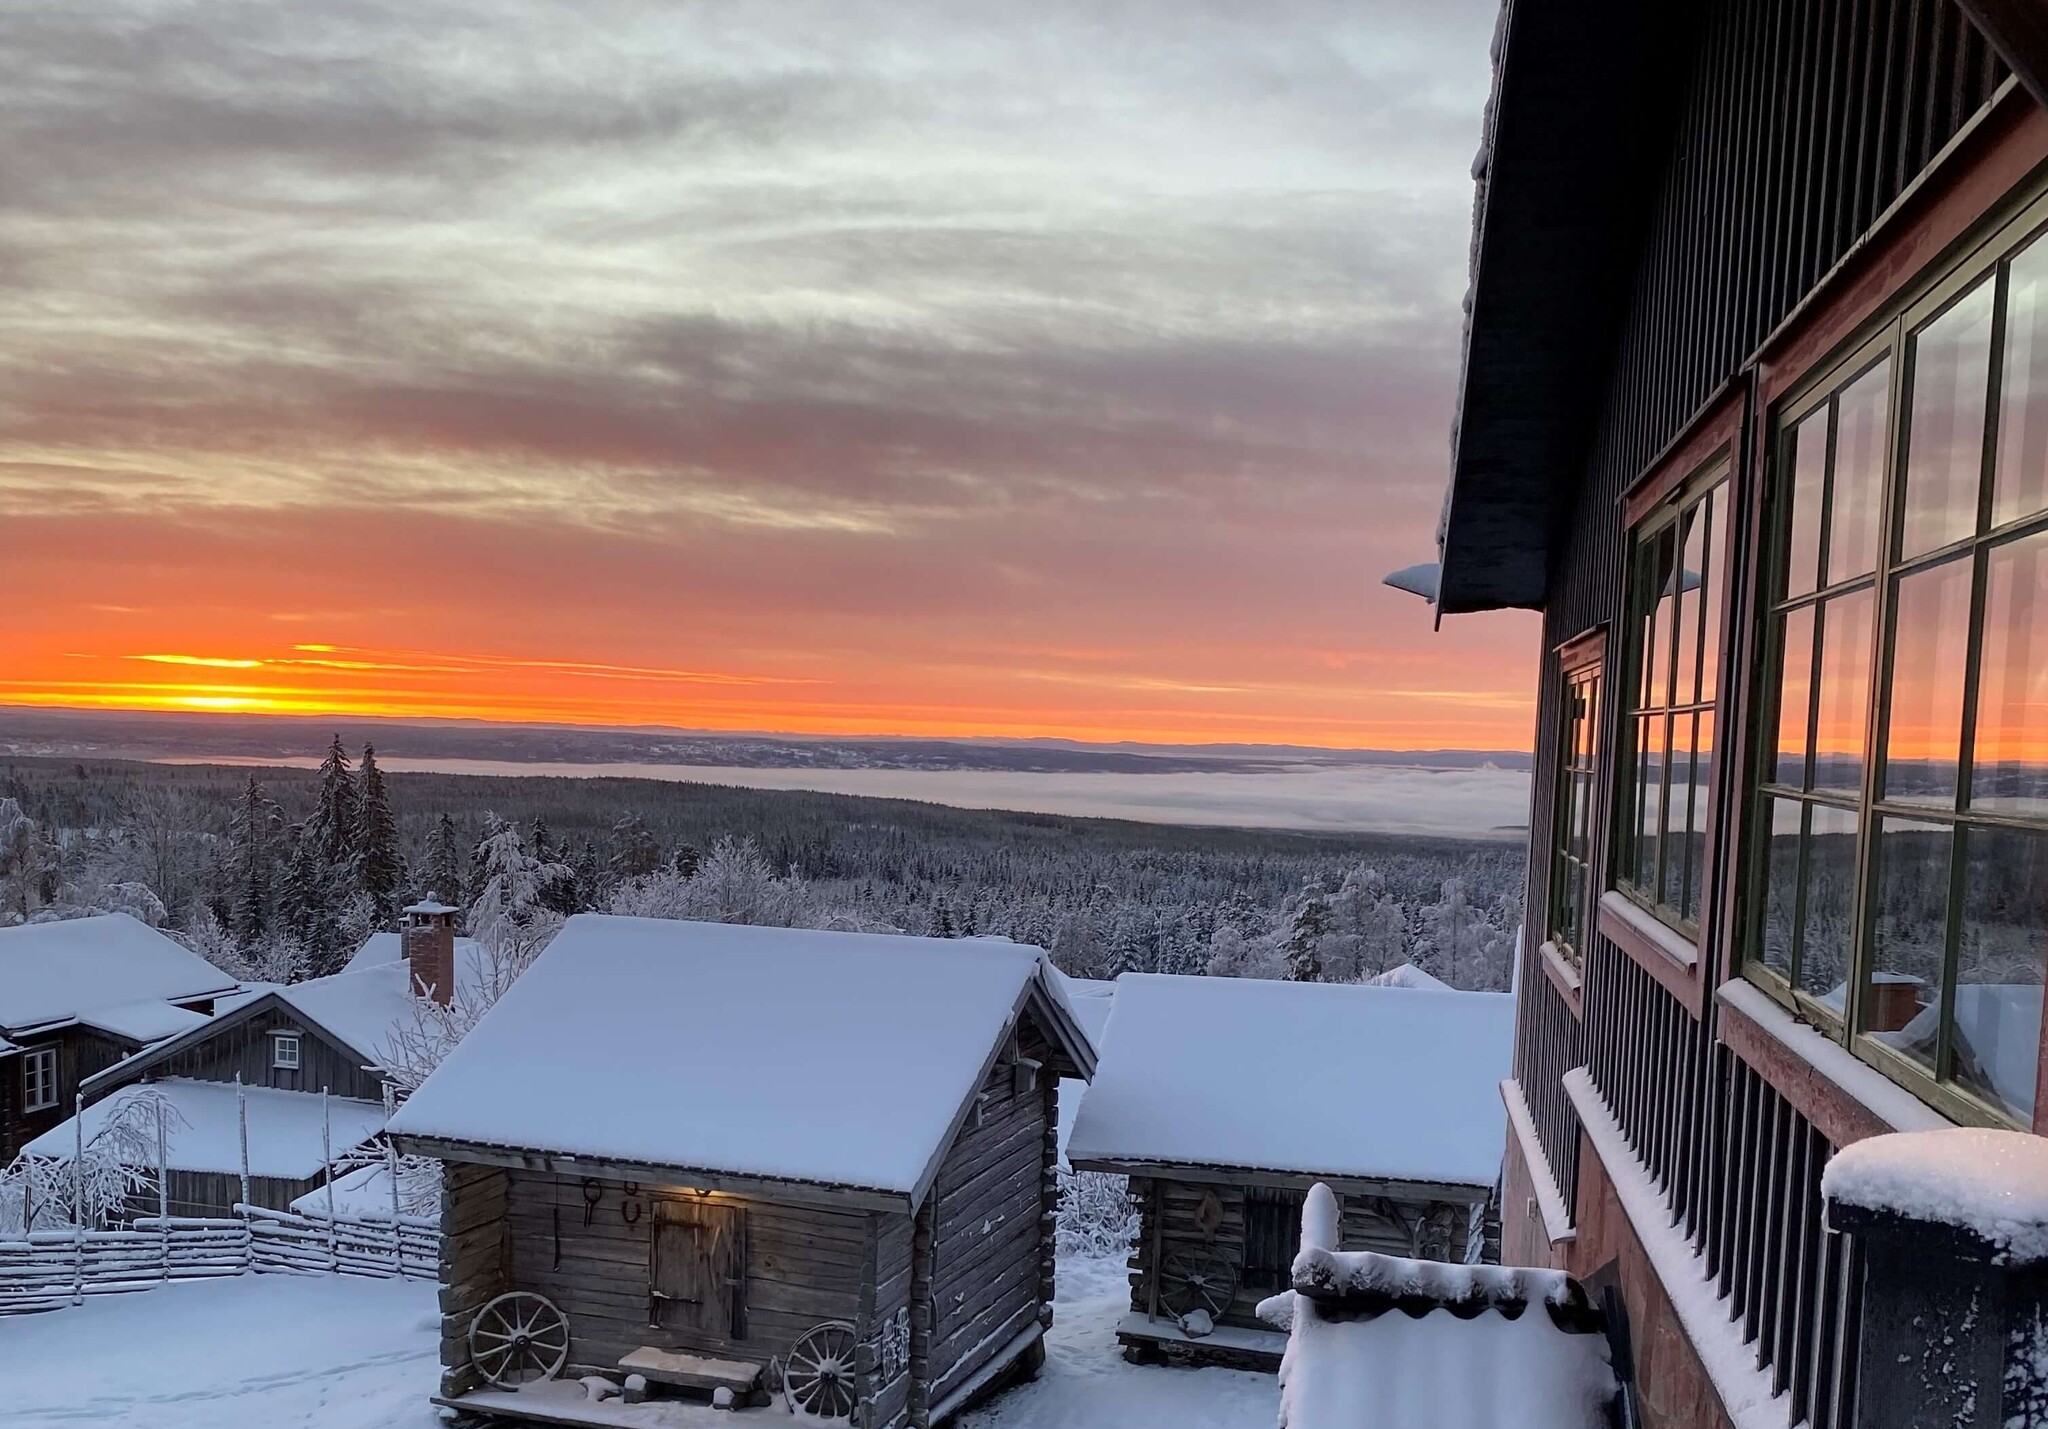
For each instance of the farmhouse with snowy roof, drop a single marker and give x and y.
(75, 998)
(1389, 1094)
(286, 1044)
(749, 1160)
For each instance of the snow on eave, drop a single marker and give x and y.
(52, 972)
(156, 1053)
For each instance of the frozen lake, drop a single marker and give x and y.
(1470, 803)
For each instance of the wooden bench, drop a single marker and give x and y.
(681, 1370)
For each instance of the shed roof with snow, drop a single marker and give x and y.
(54, 973)
(204, 1133)
(767, 1054)
(1340, 1081)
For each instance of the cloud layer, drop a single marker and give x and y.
(1072, 368)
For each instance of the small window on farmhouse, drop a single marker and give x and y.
(39, 1079)
(1272, 1233)
(1574, 822)
(1677, 574)
(1900, 815)
(284, 1051)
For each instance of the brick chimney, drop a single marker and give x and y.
(428, 937)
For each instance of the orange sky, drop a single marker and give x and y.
(848, 368)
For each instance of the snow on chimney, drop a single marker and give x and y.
(428, 938)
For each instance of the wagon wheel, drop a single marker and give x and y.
(817, 1377)
(1191, 1279)
(517, 1339)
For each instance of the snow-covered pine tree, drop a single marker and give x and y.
(252, 855)
(635, 854)
(1305, 938)
(336, 815)
(307, 904)
(379, 870)
(443, 876)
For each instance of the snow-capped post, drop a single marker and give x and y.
(391, 1174)
(78, 1199)
(1951, 1227)
(163, 1188)
(242, 1120)
(327, 1160)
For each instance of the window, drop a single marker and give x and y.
(1676, 576)
(1901, 790)
(39, 1079)
(284, 1051)
(1272, 1234)
(1573, 822)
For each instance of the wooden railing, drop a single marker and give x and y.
(1549, 1044)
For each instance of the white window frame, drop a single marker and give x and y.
(279, 1041)
(38, 1068)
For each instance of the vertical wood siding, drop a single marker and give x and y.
(244, 1047)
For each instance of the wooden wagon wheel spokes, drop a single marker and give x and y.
(1191, 1280)
(818, 1377)
(518, 1338)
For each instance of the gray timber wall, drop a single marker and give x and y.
(989, 1271)
(1416, 1229)
(245, 1047)
(475, 1248)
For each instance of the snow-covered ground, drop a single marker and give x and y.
(277, 1352)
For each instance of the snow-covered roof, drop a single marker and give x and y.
(1091, 999)
(361, 1007)
(777, 1053)
(146, 1021)
(206, 1134)
(53, 972)
(1334, 1080)
(1411, 976)
(1375, 1340)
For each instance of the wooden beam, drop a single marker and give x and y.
(694, 1178)
(2018, 30)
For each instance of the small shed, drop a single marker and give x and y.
(1225, 1099)
(763, 1161)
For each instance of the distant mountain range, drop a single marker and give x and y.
(87, 734)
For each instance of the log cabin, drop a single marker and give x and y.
(1225, 1099)
(76, 997)
(749, 1161)
(1755, 412)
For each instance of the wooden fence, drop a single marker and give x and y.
(52, 1269)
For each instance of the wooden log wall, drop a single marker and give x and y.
(244, 1047)
(474, 1257)
(81, 1052)
(989, 1237)
(1168, 1220)
(804, 1265)
(885, 1296)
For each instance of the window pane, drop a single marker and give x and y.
(1692, 567)
(1781, 883)
(1857, 504)
(1929, 668)
(2009, 771)
(1677, 814)
(1902, 1007)
(1830, 883)
(2020, 486)
(1998, 970)
(1661, 596)
(1696, 830)
(1945, 444)
(1716, 509)
(1843, 709)
(1808, 459)
(1650, 771)
(1795, 691)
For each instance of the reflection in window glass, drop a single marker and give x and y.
(1650, 779)
(1678, 814)
(1930, 658)
(2009, 771)
(1713, 525)
(2020, 486)
(1945, 442)
(1829, 887)
(1999, 967)
(1843, 709)
(1572, 838)
(1856, 501)
(1657, 634)
(1696, 838)
(1902, 1005)
(1809, 489)
(1781, 883)
(1795, 695)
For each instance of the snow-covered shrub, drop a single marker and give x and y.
(119, 1169)
(1096, 1216)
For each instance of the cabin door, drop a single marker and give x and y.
(698, 1278)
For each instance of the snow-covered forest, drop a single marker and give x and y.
(280, 873)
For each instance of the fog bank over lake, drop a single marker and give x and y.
(1456, 803)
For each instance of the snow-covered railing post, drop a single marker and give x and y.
(163, 1188)
(391, 1173)
(1951, 1231)
(327, 1160)
(242, 1121)
(78, 1199)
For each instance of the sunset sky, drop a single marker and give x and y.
(842, 367)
